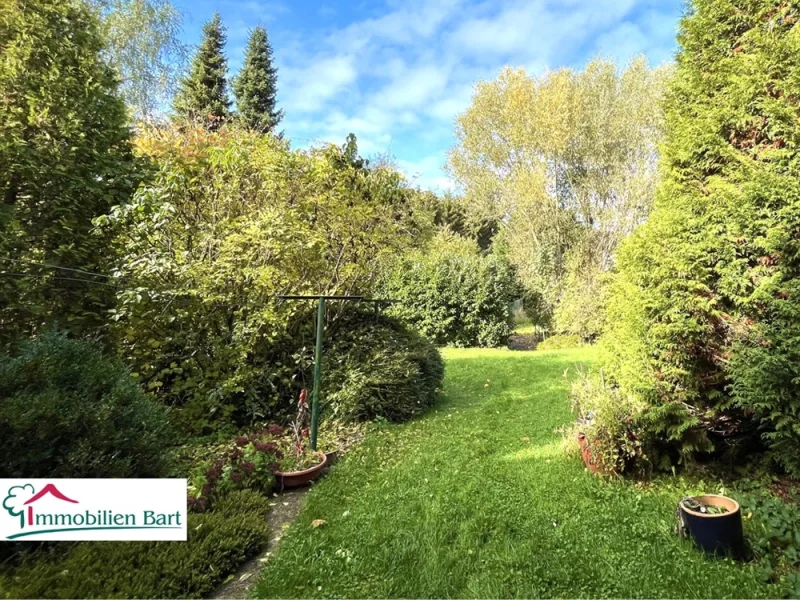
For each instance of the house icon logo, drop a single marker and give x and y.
(92, 509)
(21, 498)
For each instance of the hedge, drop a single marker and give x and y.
(219, 541)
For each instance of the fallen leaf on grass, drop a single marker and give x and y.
(318, 523)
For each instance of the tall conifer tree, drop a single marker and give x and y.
(704, 324)
(203, 94)
(62, 164)
(257, 85)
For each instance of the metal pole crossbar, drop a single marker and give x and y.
(320, 325)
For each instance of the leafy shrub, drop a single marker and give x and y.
(772, 529)
(68, 411)
(704, 317)
(453, 294)
(230, 220)
(611, 424)
(377, 367)
(559, 342)
(248, 463)
(218, 542)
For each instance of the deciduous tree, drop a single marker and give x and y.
(566, 161)
(142, 43)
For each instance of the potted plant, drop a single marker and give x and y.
(714, 522)
(299, 464)
(586, 454)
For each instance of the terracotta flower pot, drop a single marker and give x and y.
(586, 453)
(296, 479)
(718, 534)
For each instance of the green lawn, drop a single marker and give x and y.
(526, 329)
(477, 499)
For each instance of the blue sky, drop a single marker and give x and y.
(398, 73)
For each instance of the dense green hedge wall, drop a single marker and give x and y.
(454, 294)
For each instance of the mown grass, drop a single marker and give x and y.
(477, 499)
(525, 329)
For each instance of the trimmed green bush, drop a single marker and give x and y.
(704, 317)
(219, 541)
(66, 410)
(453, 294)
(380, 368)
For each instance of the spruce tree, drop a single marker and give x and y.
(203, 94)
(256, 86)
(705, 316)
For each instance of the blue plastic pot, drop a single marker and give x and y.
(720, 534)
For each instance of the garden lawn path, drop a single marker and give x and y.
(478, 499)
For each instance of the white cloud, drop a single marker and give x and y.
(414, 87)
(308, 89)
(427, 173)
(399, 79)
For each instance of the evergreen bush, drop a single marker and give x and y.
(68, 411)
(703, 321)
(65, 158)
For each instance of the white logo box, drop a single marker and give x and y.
(92, 509)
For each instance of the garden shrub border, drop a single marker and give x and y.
(219, 541)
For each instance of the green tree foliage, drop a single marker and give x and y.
(567, 164)
(143, 45)
(203, 94)
(452, 293)
(68, 411)
(62, 162)
(452, 213)
(704, 318)
(230, 220)
(256, 85)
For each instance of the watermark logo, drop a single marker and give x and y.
(93, 509)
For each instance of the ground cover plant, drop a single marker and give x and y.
(478, 499)
(218, 542)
